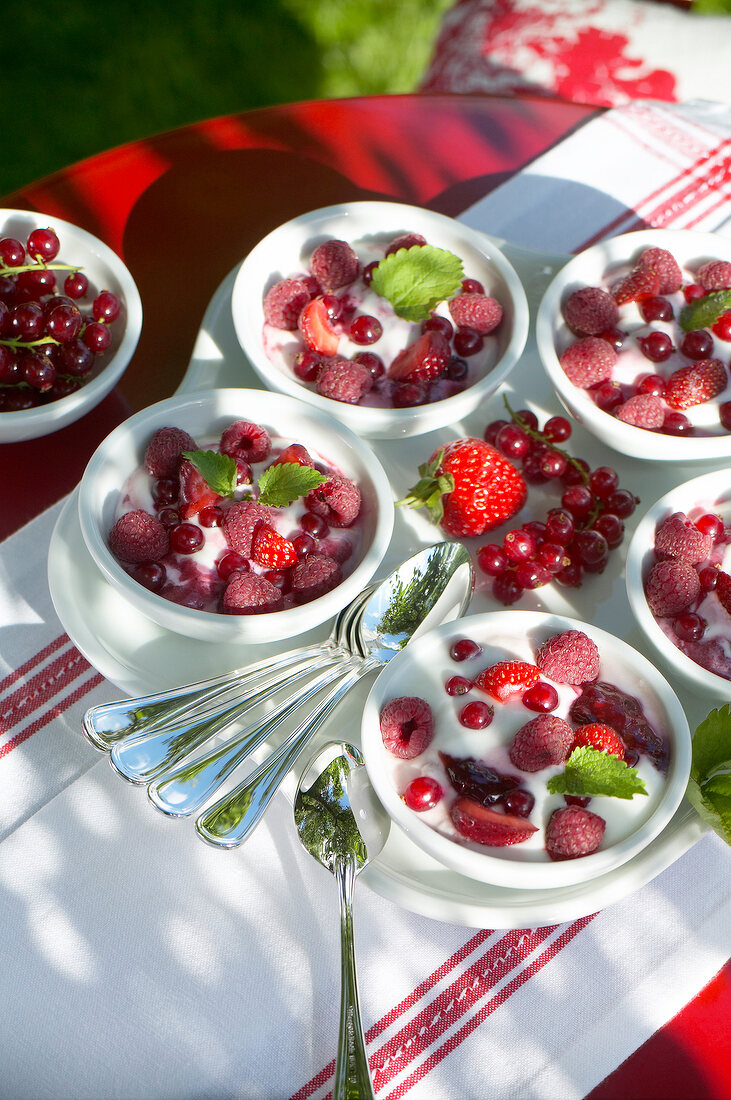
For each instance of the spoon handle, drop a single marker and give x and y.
(228, 822)
(352, 1075)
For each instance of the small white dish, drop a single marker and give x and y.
(105, 271)
(286, 250)
(421, 670)
(591, 268)
(204, 416)
(710, 492)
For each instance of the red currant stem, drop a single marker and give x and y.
(542, 439)
(39, 266)
(16, 342)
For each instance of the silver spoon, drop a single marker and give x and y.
(342, 825)
(432, 587)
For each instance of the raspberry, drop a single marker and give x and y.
(240, 522)
(250, 594)
(678, 538)
(695, 384)
(337, 500)
(407, 726)
(478, 312)
(671, 587)
(334, 264)
(162, 457)
(542, 742)
(569, 658)
(407, 240)
(423, 361)
(590, 311)
(595, 735)
(492, 828)
(343, 380)
(643, 282)
(137, 536)
(588, 361)
(505, 679)
(284, 302)
(715, 275)
(573, 831)
(665, 266)
(314, 576)
(242, 439)
(643, 410)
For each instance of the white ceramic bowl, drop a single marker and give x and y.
(710, 492)
(287, 249)
(589, 268)
(105, 271)
(204, 416)
(421, 670)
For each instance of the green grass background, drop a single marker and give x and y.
(83, 77)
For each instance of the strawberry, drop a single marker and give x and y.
(595, 735)
(296, 453)
(271, 549)
(643, 282)
(316, 328)
(489, 827)
(696, 384)
(427, 358)
(195, 492)
(469, 488)
(507, 678)
(723, 590)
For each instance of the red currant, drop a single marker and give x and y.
(652, 384)
(693, 291)
(43, 244)
(519, 802)
(464, 649)
(710, 524)
(677, 423)
(476, 715)
(437, 323)
(519, 545)
(467, 342)
(689, 626)
(603, 481)
(506, 588)
(186, 538)
(697, 344)
(491, 559)
(366, 329)
(541, 697)
(557, 429)
(722, 326)
(457, 685)
(512, 441)
(656, 346)
(231, 562)
(656, 309)
(423, 793)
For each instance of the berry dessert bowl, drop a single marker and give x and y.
(634, 334)
(70, 320)
(235, 515)
(394, 319)
(678, 578)
(526, 749)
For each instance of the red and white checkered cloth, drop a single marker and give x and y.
(137, 962)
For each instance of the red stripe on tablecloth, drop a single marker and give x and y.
(41, 687)
(41, 655)
(495, 1002)
(53, 712)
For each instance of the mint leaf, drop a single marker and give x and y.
(709, 787)
(285, 482)
(217, 470)
(417, 279)
(590, 772)
(704, 311)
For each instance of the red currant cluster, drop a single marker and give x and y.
(48, 343)
(574, 538)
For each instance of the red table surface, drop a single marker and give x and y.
(184, 207)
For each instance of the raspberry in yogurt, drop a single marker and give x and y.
(246, 523)
(651, 345)
(346, 342)
(550, 700)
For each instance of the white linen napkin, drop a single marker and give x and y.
(137, 962)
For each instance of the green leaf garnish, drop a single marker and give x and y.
(590, 772)
(217, 470)
(704, 311)
(709, 787)
(285, 482)
(417, 279)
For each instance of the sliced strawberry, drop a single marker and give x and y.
(505, 679)
(427, 358)
(316, 328)
(696, 384)
(723, 590)
(595, 735)
(490, 827)
(295, 452)
(272, 550)
(195, 492)
(643, 282)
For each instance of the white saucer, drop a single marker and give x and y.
(138, 657)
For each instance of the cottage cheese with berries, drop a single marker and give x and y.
(334, 329)
(247, 523)
(480, 727)
(645, 349)
(688, 584)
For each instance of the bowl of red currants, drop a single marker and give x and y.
(678, 579)
(235, 515)
(70, 320)
(394, 319)
(526, 749)
(635, 336)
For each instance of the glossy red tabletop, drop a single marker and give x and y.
(183, 208)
